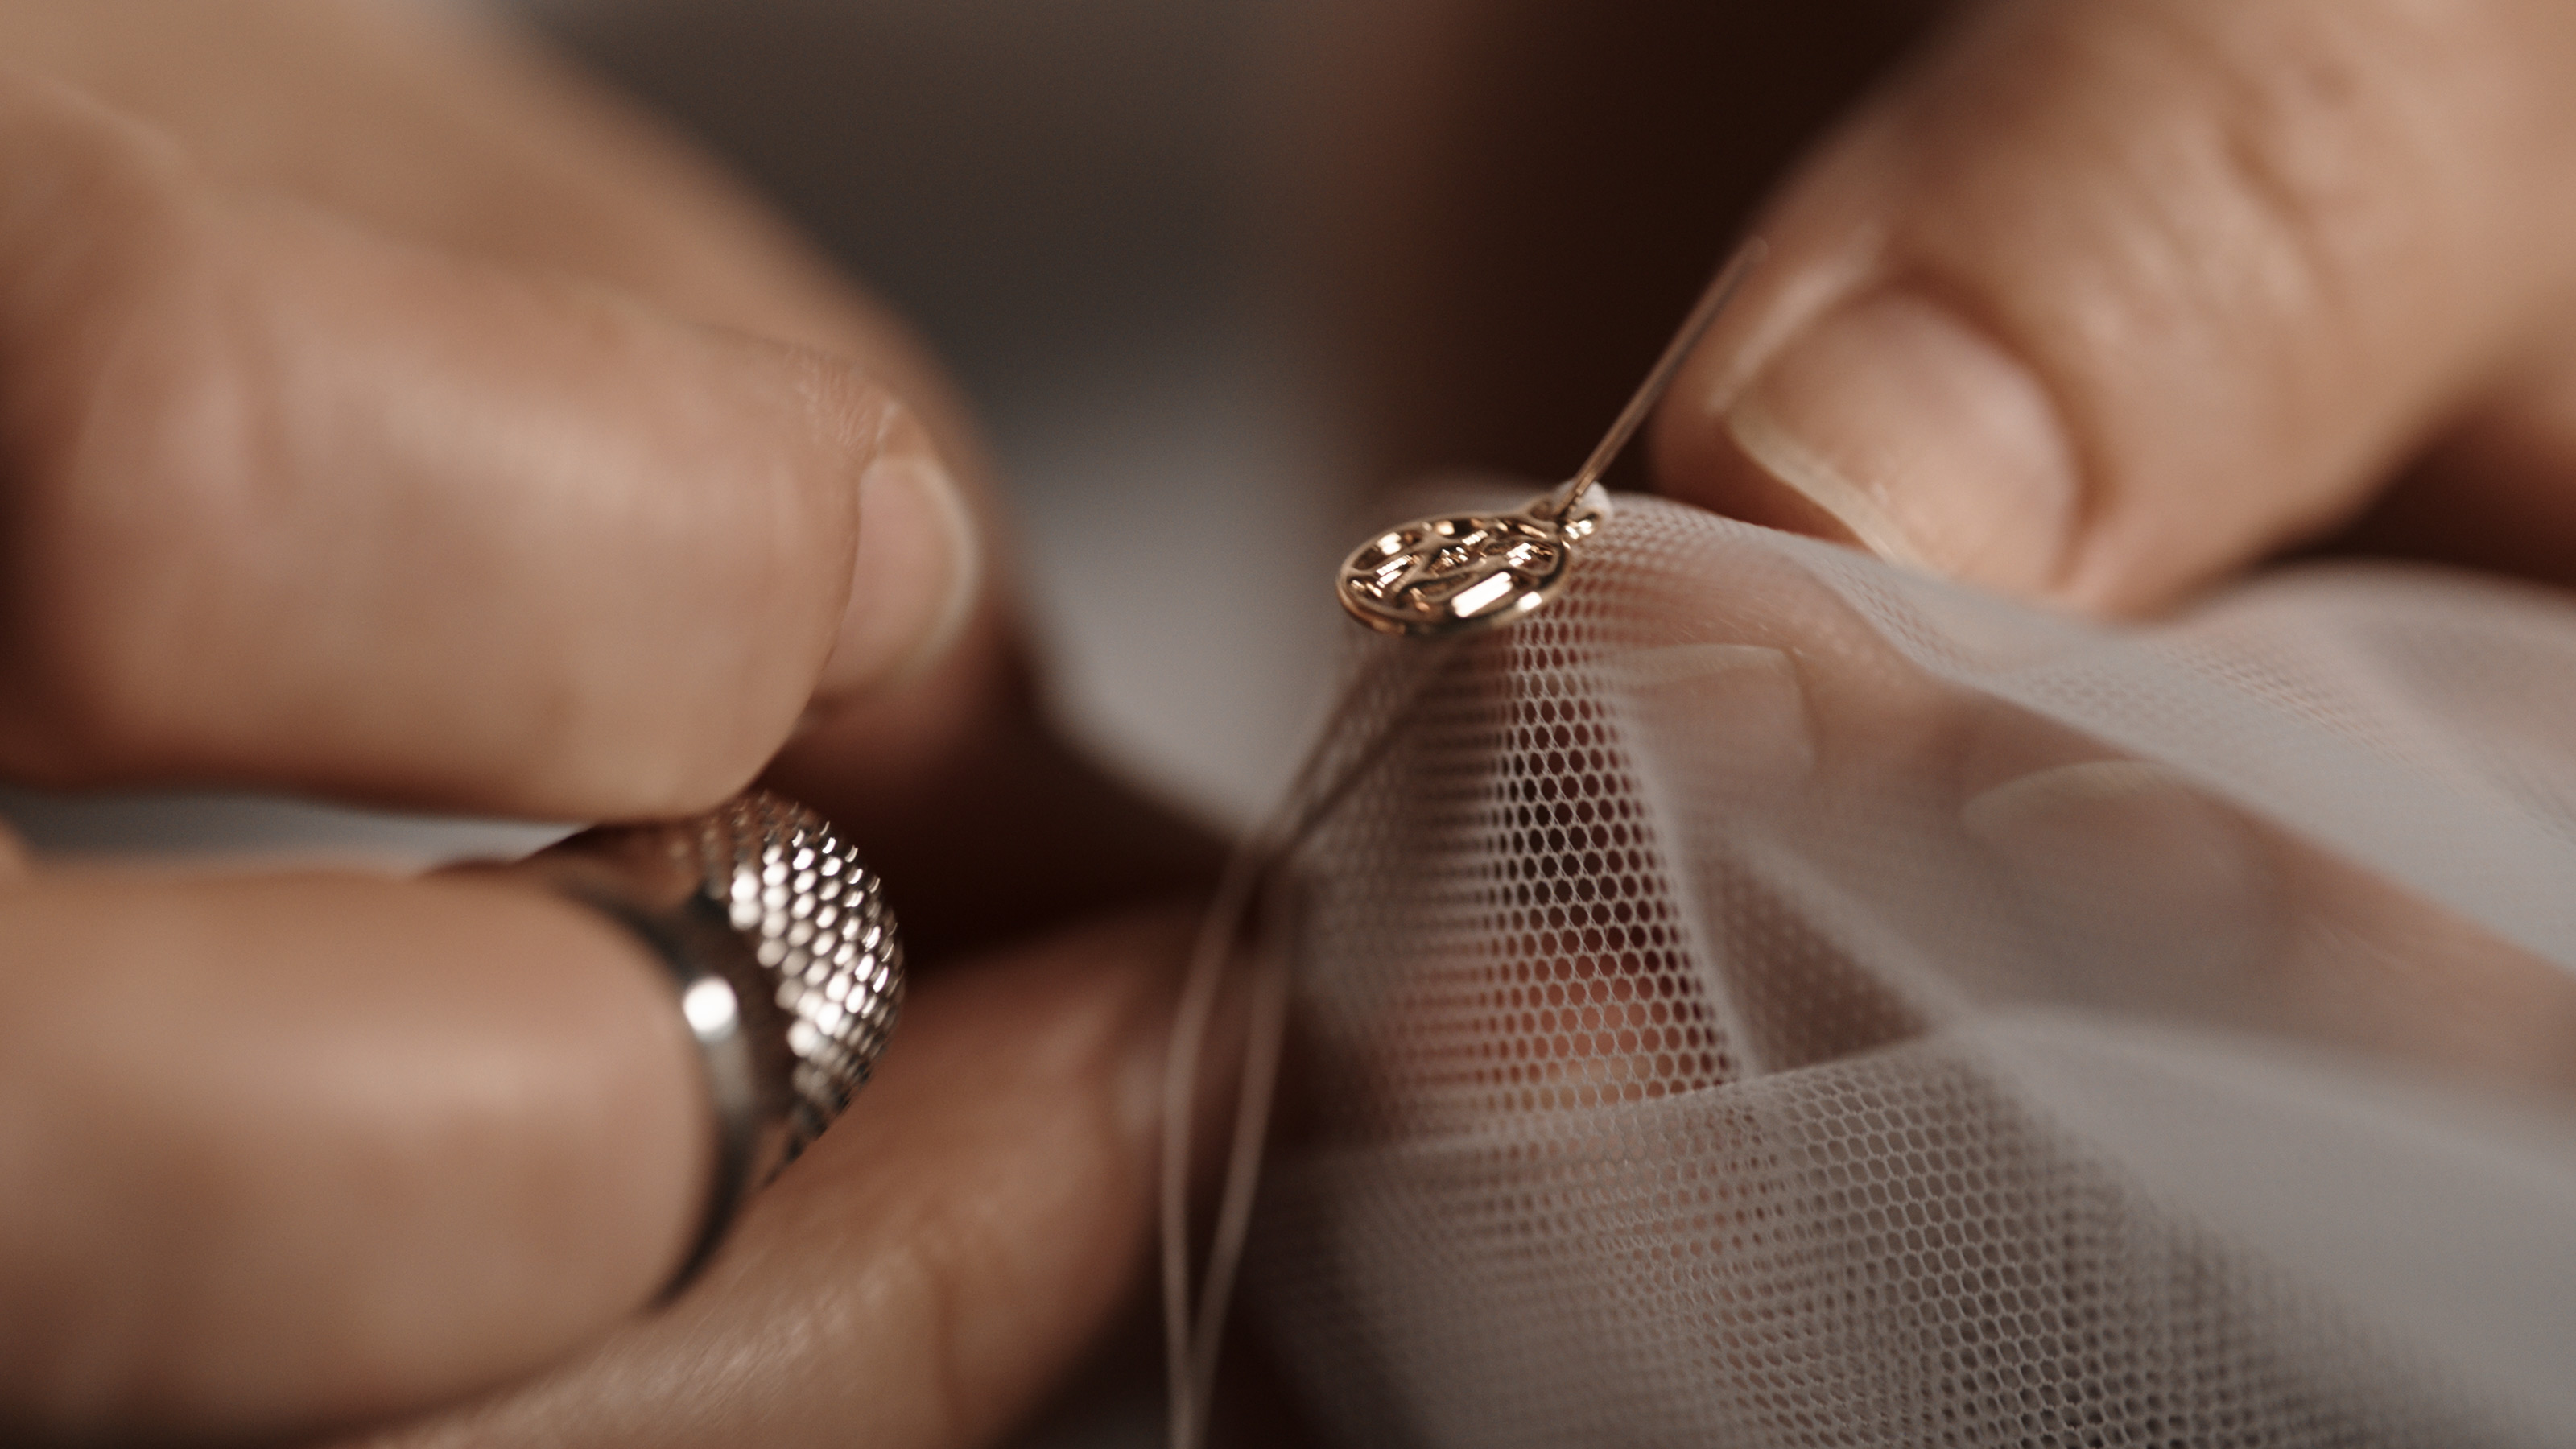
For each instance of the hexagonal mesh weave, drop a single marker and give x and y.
(1768, 999)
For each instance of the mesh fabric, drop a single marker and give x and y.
(1769, 998)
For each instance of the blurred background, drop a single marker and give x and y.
(1070, 198)
(1214, 273)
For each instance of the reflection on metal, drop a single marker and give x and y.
(1438, 576)
(1446, 575)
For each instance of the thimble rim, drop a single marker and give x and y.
(786, 966)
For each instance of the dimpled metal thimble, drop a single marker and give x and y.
(788, 964)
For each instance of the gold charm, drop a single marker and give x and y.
(1472, 571)
(1446, 575)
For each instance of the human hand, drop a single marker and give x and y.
(2168, 284)
(2097, 303)
(384, 416)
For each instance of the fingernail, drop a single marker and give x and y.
(915, 578)
(1920, 435)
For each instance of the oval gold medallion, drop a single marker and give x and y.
(1448, 575)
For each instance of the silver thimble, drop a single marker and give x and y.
(787, 960)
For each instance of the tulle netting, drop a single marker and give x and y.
(1769, 998)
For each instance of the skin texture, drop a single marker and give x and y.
(256, 417)
(2223, 269)
(385, 413)
(321, 1147)
(922, 1270)
(2093, 304)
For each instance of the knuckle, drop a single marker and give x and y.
(2217, 193)
(965, 1253)
(2294, 148)
(2295, 155)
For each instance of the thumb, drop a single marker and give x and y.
(2098, 301)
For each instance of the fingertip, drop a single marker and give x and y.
(916, 572)
(316, 507)
(1892, 422)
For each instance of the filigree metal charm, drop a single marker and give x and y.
(1447, 575)
(1473, 571)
